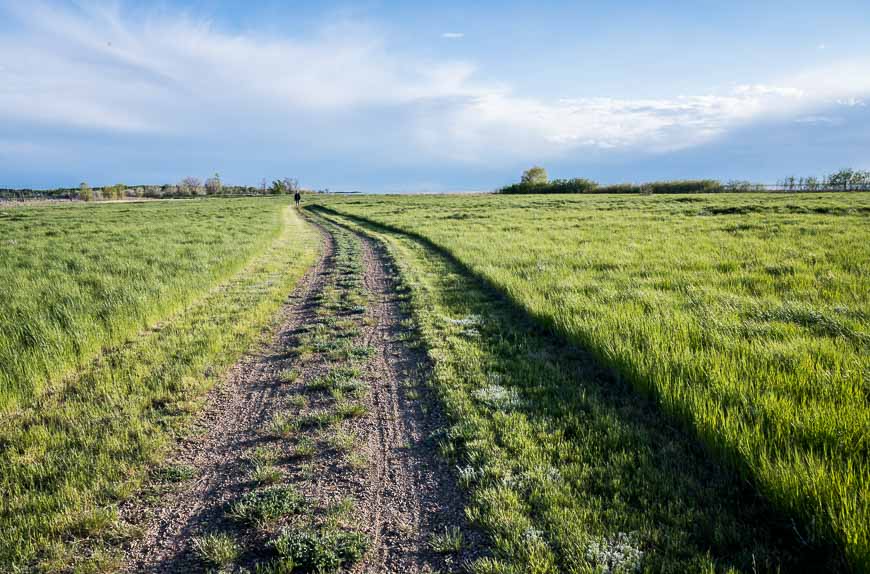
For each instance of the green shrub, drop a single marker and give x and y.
(266, 506)
(322, 549)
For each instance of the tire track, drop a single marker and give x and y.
(403, 496)
(230, 423)
(409, 493)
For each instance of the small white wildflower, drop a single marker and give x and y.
(617, 555)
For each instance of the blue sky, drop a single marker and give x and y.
(402, 96)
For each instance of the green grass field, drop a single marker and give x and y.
(744, 316)
(117, 319)
(80, 278)
(630, 383)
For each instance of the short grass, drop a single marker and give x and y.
(263, 507)
(320, 549)
(69, 456)
(218, 549)
(743, 317)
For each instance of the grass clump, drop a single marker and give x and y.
(262, 507)
(305, 447)
(342, 441)
(320, 418)
(320, 549)
(217, 549)
(175, 473)
(284, 425)
(350, 410)
(266, 474)
(448, 542)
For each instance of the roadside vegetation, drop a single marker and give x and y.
(139, 310)
(742, 317)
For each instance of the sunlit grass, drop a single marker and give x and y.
(744, 316)
(69, 456)
(79, 278)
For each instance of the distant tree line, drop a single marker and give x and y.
(843, 180)
(186, 188)
(535, 180)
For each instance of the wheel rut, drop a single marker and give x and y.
(214, 451)
(357, 443)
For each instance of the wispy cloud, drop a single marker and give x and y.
(452, 35)
(819, 120)
(97, 68)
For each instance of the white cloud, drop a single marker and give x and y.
(452, 35)
(852, 102)
(98, 68)
(819, 120)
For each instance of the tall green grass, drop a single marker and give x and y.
(78, 278)
(69, 455)
(744, 316)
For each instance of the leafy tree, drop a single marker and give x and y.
(85, 192)
(534, 176)
(115, 191)
(284, 186)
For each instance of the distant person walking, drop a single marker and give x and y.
(297, 197)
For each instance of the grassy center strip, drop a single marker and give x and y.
(282, 523)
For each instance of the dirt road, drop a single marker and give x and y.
(335, 407)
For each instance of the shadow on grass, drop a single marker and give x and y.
(558, 446)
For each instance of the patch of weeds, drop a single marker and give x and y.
(448, 542)
(307, 470)
(217, 549)
(329, 345)
(304, 447)
(92, 522)
(342, 441)
(277, 566)
(348, 410)
(174, 473)
(346, 372)
(263, 455)
(321, 383)
(319, 418)
(357, 461)
(283, 425)
(298, 401)
(361, 352)
(266, 506)
(340, 350)
(341, 508)
(304, 351)
(289, 375)
(266, 474)
(322, 550)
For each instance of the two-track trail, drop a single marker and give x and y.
(357, 434)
